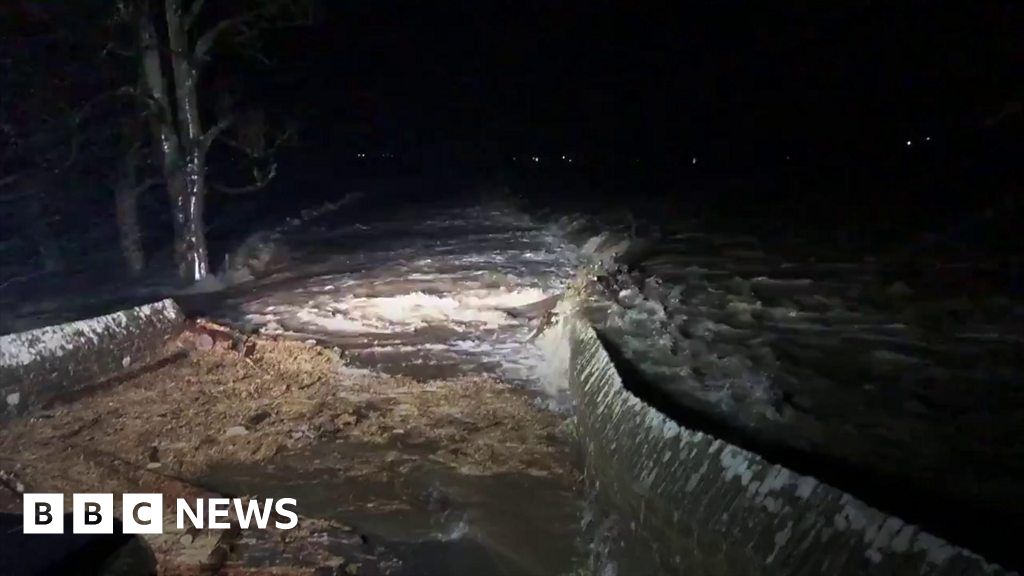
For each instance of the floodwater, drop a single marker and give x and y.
(429, 516)
(429, 293)
(407, 287)
(875, 373)
(878, 378)
(845, 367)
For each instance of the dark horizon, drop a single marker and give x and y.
(857, 80)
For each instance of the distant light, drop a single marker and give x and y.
(909, 142)
(787, 157)
(694, 161)
(570, 160)
(536, 159)
(515, 158)
(927, 138)
(563, 156)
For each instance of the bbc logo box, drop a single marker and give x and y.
(93, 513)
(144, 513)
(43, 513)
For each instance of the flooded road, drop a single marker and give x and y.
(448, 292)
(431, 517)
(446, 440)
(847, 369)
(405, 288)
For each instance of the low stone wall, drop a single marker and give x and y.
(708, 507)
(37, 365)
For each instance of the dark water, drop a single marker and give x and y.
(883, 355)
(428, 515)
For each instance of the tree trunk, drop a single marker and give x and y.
(178, 197)
(195, 259)
(49, 248)
(178, 137)
(165, 136)
(39, 221)
(196, 264)
(126, 200)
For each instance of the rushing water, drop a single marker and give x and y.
(869, 374)
(426, 292)
(842, 357)
(406, 288)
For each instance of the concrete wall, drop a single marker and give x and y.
(37, 365)
(707, 507)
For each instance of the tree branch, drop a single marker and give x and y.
(145, 184)
(112, 48)
(207, 40)
(10, 178)
(262, 180)
(286, 136)
(268, 14)
(266, 153)
(213, 132)
(193, 13)
(236, 145)
(122, 91)
(81, 114)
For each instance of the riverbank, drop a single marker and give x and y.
(417, 463)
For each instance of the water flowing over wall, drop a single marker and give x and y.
(702, 505)
(37, 365)
(708, 507)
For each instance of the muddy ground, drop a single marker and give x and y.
(370, 455)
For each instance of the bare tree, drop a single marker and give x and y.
(40, 140)
(60, 128)
(181, 141)
(129, 183)
(75, 120)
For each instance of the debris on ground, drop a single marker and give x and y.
(235, 399)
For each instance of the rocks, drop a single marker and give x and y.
(204, 342)
(257, 418)
(629, 297)
(235, 431)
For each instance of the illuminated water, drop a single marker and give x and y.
(408, 288)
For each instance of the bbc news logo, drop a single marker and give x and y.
(144, 513)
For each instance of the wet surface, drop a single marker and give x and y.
(392, 475)
(907, 384)
(877, 379)
(430, 516)
(408, 289)
(432, 293)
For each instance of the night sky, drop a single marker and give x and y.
(853, 79)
